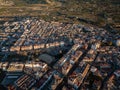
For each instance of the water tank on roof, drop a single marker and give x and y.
(118, 42)
(62, 43)
(93, 69)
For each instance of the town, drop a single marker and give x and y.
(39, 55)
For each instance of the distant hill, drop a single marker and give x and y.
(98, 12)
(35, 1)
(62, 1)
(27, 1)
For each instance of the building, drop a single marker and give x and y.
(78, 75)
(15, 67)
(25, 82)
